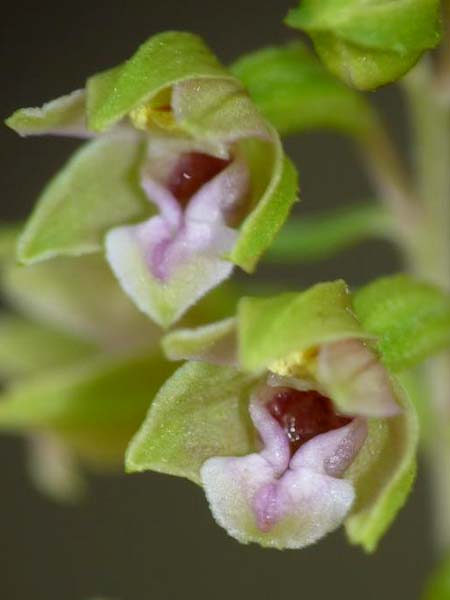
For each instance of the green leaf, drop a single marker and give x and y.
(264, 222)
(295, 93)
(206, 407)
(81, 297)
(96, 406)
(27, 347)
(162, 61)
(410, 318)
(320, 236)
(273, 328)
(370, 43)
(383, 474)
(65, 115)
(214, 343)
(97, 189)
(438, 586)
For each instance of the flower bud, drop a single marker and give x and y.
(368, 44)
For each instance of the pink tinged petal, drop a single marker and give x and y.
(333, 452)
(219, 200)
(282, 503)
(253, 505)
(164, 278)
(354, 376)
(168, 206)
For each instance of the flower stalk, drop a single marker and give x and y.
(428, 254)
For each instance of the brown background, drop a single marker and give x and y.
(152, 536)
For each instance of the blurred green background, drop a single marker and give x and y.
(150, 536)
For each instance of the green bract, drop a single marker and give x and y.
(296, 93)
(410, 318)
(372, 43)
(201, 413)
(169, 100)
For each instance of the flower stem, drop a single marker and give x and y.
(393, 184)
(430, 259)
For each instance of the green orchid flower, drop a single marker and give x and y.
(182, 180)
(288, 418)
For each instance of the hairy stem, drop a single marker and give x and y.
(430, 259)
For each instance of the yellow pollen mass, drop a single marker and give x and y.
(301, 364)
(145, 117)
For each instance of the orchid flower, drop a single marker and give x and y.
(182, 180)
(297, 428)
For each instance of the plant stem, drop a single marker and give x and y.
(392, 183)
(430, 259)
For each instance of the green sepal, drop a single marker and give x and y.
(97, 189)
(264, 222)
(162, 61)
(95, 406)
(295, 93)
(27, 347)
(410, 318)
(273, 328)
(206, 407)
(81, 297)
(370, 43)
(66, 115)
(438, 585)
(383, 474)
(214, 343)
(321, 236)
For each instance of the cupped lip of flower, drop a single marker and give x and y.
(175, 235)
(279, 500)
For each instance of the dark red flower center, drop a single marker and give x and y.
(191, 172)
(303, 415)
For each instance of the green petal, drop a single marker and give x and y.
(320, 236)
(81, 297)
(369, 43)
(383, 474)
(97, 189)
(218, 110)
(214, 343)
(200, 412)
(65, 115)
(438, 586)
(295, 92)
(27, 347)
(410, 318)
(96, 406)
(273, 328)
(264, 222)
(162, 61)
